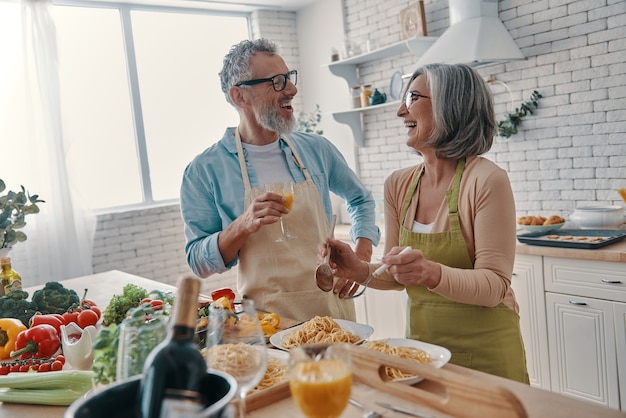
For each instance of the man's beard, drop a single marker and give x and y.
(269, 118)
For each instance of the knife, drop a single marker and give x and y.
(402, 410)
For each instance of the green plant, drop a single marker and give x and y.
(508, 126)
(307, 122)
(14, 206)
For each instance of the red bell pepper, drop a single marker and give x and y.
(224, 292)
(55, 320)
(40, 341)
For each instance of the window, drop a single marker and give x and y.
(140, 96)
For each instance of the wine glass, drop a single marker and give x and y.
(320, 378)
(235, 345)
(284, 188)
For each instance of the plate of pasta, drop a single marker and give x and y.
(321, 329)
(422, 352)
(276, 372)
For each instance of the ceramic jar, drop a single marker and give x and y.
(598, 217)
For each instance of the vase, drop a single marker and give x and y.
(4, 252)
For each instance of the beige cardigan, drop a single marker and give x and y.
(487, 216)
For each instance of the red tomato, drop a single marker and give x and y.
(69, 317)
(4, 369)
(56, 366)
(97, 311)
(87, 303)
(156, 304)
(86, 318)
(44, 367)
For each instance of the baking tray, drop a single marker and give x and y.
(573, 238)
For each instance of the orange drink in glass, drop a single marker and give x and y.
(284, 188)
(320, 379)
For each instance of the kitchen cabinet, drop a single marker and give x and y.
(586, 313)
(348, 69)
(527, 283)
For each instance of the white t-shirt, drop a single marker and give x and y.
(268, 162)
(422, 228)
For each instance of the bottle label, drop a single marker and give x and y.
(181, 404)
(14, 285)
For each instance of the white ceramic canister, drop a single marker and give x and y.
(598, 217)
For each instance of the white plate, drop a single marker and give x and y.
(395, 87)
(361, 330)
(540, 228)
(440, 355)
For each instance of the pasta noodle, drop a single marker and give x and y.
(402, 352)
(276, 373)
(320, 329)
(238, 360)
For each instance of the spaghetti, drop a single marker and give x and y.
(276, 373)
(411, 353)
(320, 329)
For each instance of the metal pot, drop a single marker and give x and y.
(598, 217)
(119, 399)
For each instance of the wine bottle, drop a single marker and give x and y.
(175, 369)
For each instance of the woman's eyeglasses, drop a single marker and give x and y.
(279, 81)
(412, 97)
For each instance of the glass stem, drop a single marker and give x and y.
(241, 407)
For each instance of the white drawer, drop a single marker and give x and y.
(596, 279)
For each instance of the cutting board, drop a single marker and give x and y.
(443, 390)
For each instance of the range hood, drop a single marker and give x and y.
(476, 36)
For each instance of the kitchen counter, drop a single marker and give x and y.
(535, 402)
(613, 252)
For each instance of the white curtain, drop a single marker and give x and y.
(60, 237)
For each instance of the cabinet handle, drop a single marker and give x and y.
(609, 281)
(574, 302)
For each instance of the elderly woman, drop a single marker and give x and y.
(456, 210)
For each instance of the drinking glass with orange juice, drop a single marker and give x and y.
(284, 188)
(320, 379)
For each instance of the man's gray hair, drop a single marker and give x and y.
(236, 66)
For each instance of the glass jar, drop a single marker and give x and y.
(356, 96)
(8, 277)
(366, 92)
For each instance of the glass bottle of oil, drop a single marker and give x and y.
(8, 277)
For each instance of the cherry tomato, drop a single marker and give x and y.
(156, 304)
(61, 358)
(69, 317)
(86, 318)
(44, 367)
(23, 368)
(56, 366)
(4, 369)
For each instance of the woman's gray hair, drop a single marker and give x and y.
(464, 120)
(236, 66)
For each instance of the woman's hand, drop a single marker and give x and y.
(412, 268)
(346, 266)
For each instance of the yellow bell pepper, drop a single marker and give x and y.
(9, 328)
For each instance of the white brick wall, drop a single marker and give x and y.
(570, 152)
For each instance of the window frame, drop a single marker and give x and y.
(125, 10)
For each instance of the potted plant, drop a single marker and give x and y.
(14, 206)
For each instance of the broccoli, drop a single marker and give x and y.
(15, 305)
(115, 312)
(54, 298)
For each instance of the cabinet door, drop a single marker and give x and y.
(527, 284)
(581, 339)
(619, 309)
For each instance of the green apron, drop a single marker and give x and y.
(481, 338)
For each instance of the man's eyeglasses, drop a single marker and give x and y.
(279, 81)
(412, 97)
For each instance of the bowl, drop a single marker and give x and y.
(540, 228)
(119, 399)
(598, 217)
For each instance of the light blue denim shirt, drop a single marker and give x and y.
(212, 194)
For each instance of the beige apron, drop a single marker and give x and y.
(280, 276)
(481, 338)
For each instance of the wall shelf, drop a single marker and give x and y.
(348, 70)
(354, 118)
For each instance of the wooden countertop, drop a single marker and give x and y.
(535, 402)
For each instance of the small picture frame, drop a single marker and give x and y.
(413, 20)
